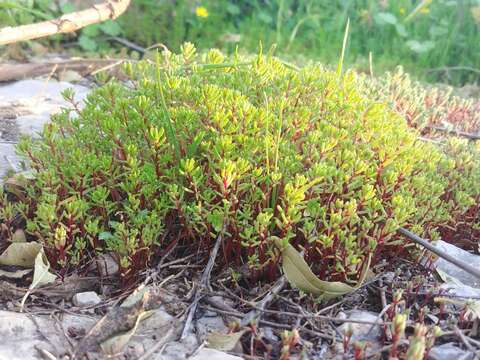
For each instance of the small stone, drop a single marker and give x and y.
(361, 332)
(366, 333)
(106, 265)
(268, 334)
(88, 298)
(211, 354)
(208, 323)
(449, 351)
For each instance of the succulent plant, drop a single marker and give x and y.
(194, 145)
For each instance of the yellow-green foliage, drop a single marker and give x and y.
(197, 145)
(447, 120)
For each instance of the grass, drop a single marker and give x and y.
(426, 37)
(436, 40)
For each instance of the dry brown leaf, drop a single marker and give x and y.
(299, 275)
(224, 342)
(21, 254)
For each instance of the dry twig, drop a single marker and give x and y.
(11, 72)
(67, 23)
(203, 285)
(261, 306)
(418, 240)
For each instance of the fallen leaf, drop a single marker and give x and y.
(134, 297)
(41, 275)
(224, 342)
(299, 275)
(18, 274)
(16, 184)
(19, 236)
(21, 254)
(115, 344)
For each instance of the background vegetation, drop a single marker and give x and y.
(437, 40)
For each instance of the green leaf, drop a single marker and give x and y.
(67, 8)
(86, 43)
(385, 18)
(91, 31)
(233, 9)
(264, 17)
(27, 9)
(300, 276)
(105, 235)
(216, 218)
(420, 47)
(401, 30)
(111, 28)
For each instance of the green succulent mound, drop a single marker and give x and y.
(197, 145)
(441, 116)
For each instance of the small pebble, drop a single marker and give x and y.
(88, 298)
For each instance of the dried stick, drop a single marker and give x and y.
(262, 305)
(67, 23)
(418, 240)
(204, 284)
(11, 72)
(466, 342)
(455, 132)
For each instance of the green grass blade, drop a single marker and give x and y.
(344, 46)
(415, 11)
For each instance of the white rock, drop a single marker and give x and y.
(179, 350)
(449, 351)
(454, 271)
(21, 336)
(211, 354)
(106, 265)
(209, 323)
(34, 101)
(88, 298)
(361, 332)
(367, 333)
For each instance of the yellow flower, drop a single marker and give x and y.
(201, 11)
(476, 14)
(402, 11)
(425, 10)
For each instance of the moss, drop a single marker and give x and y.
(195, 145)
